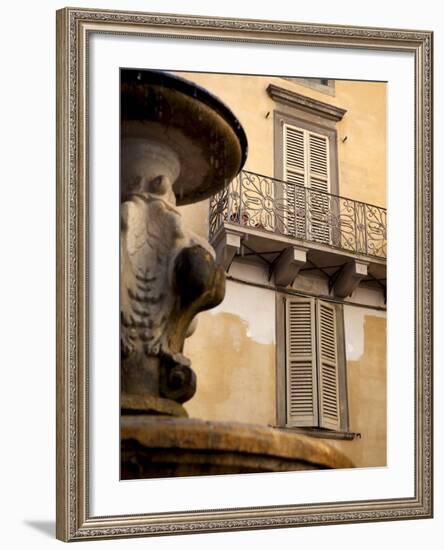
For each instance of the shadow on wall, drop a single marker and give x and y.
(47, 527)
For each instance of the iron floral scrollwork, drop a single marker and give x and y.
(261, 202)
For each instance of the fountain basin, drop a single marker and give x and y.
(195, 128)
(156, 446)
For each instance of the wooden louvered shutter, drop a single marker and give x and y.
(319, 183)
(295, 174)
(318, 162)
(327, 353)
(302, 407)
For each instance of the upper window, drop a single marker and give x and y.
(305, 140)
(306, 158)
(306, 164)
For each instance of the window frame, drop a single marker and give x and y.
(311, 123)
(281, 371)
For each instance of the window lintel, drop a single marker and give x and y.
(309, 104)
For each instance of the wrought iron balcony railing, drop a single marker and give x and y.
(260, 202)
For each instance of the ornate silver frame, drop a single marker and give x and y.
(74, 521)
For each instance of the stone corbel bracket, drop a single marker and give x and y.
(349, 277)
(288, 264)
(226, 246)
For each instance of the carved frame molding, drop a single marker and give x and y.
(73, 519)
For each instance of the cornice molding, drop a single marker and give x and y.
(299, 101)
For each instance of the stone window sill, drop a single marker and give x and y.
(323, 434)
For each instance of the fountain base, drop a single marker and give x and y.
(158, 446)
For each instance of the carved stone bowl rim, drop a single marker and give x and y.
(195, 434)
(193, 91)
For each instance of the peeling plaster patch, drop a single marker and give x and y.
(354, 319)
(236, 336)
(255, 306)
(230, 366)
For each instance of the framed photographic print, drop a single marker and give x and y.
(244, 274)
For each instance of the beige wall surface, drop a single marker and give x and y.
(235, 374)
(363, 156)
(366, 385)
(233, 355)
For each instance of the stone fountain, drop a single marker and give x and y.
(179, 145)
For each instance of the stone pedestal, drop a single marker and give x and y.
(179, 144)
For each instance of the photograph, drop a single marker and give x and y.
(244, 274)
(220, 323)
(253, 287)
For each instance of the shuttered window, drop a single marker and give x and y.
(312, 363)
(307, 173)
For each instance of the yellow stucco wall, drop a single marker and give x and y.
(237, 380)
(235, 373)
(367, 398)
(234, 356)
(362, 156)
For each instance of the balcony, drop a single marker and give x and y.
(287, 224)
